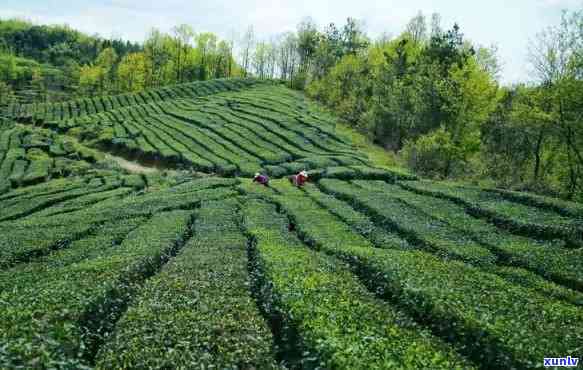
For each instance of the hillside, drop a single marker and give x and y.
(188, 264)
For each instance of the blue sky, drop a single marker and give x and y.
(509, 24)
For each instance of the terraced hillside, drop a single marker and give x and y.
(194, 266)
(219, 126)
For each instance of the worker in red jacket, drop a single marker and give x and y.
(261, 179)
(300, 179)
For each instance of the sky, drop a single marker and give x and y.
(508, 24)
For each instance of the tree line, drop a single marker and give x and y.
(434, 98)
(51, 63)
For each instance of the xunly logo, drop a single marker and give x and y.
(561, 361)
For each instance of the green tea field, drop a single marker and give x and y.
(193, 266)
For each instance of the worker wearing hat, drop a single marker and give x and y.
(261, 179)
(300, 179)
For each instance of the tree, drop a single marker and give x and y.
(158, 52)
(307, 43)
(557, 59)
(398, 109)
(472, 96)
(353, 37)
(436, 30)
(183, 35)
(272, 58)
(330, 49)
(90, 80)
(206, 45)
(107, 61)
(261, 59)
(346, 88)
(248, 42)
(288, 56)
(448, 49)
(223, 61)
(487, 59)
(132, 72)
(417, 28)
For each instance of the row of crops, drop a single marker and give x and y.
(497, 297)
(29, 157)
(263, 127)
(344, 273)
(89, 106)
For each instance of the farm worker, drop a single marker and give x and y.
(261, 179)
(299, 179)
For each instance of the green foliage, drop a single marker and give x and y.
(411, 223)
(131, 72)
(134, 181)
(362, 268)
(547, 258)
(315, 294)
(55, 61)
(562, 207)
(29, 156)
(40, 317)
(100, 283)
(359, 222)
(495, 321)
(503, 323)
(344, 88)
(199, 306)
(518, 218)
(435, 98)
(231, 131)
(433, 154)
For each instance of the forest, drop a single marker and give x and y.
(428, 95)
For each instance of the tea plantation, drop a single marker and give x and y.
(194, 266)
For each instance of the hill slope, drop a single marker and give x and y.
(194, 265)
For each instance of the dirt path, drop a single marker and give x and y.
(132, 167)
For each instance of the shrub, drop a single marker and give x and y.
(340, 324)
(486, 317)
(433, 155)
(198, 312)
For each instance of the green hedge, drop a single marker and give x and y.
(31, 236)
(227, 133)
(536, 283)
(84, 201)
(494, 321)
(40, 227)
(339, 324)
(414, 225)
(38, 171)
(518, 218)
(562, 207)
(359, 222)
(43, 303)
(365, 173)
(23, 209)
(198, 312)
(83, 107)
(549, 259)
(260, 129)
